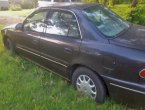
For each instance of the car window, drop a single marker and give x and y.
(105, 21)
(62, 23)
(74, 29)
(35, 22)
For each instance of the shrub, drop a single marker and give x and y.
(15, 7)
(134, 15)
(137, 15)
(28, 4)
(89, 1)
(122, 10)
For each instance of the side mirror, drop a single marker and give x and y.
(19, 26)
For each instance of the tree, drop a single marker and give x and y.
(134, 3)
(104, 2)
(97, 1)
(35, 3)
(113, 2)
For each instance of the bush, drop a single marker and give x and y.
(137, 15)
(89, 1)
(15, 7)
(28, 4)
(4, 8)
(122, 10)
(134, 15)
(142, 1)
(25, 4)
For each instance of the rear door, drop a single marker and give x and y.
(62, 40)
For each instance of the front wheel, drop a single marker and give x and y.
(88, 83)
(9, 45)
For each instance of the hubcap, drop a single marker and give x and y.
(86, 85)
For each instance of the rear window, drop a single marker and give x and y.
(107, 22)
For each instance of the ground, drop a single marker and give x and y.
(7, 20)
(11, 17)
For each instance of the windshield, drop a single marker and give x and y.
(105, 21)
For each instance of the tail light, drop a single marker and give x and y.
(142, 73)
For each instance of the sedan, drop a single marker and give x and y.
(100, 53)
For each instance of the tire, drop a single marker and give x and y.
(10, 45)
(87, 82)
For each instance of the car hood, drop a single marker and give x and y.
(134, 37)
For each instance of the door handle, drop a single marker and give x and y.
(68, 50)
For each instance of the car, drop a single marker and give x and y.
(100, 53)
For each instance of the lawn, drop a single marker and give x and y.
(26, 86)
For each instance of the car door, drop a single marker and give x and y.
(62, 40)
(28, 39)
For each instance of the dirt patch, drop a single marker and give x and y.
(8, 20)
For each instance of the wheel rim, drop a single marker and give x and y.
(87, 86)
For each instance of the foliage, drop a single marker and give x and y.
(122, 10)
(25, 4)
(89, 1)
(137, 15)
(15, 7)
(112, 2)
(142, 1)
(134, 15)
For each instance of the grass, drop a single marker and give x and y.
(26, 86)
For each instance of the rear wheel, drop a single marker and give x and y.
(88, 83)
(9, 45)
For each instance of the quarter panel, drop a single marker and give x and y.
(111, 60)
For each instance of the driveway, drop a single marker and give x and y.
(8, 20)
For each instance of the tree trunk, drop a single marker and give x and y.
(134, 3)
(104, 2)
(97, 1)
(113, 2)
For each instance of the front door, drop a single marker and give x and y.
(28, 40)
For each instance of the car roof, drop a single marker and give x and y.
(79, 6)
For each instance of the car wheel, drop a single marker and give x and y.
(88, 83)
(10, 46)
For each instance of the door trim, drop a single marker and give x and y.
(42, 56)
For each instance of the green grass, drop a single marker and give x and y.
(26, 86)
